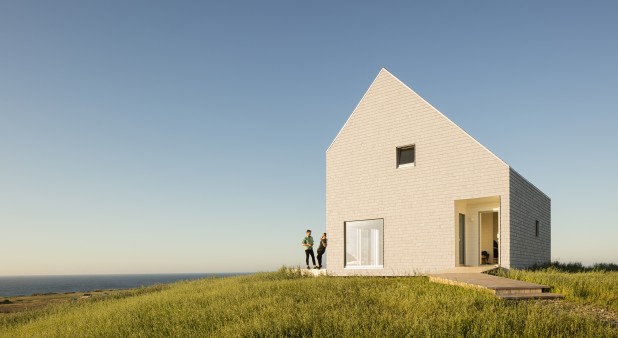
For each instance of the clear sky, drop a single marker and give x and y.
(167, 136)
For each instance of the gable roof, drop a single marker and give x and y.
(384, 72)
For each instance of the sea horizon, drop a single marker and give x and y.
(126, 274)
(13, 286)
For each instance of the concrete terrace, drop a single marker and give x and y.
(313, 272)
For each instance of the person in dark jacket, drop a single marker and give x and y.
(322, 249)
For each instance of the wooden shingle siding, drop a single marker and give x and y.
(416, 203)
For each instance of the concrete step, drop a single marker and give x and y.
(522, 296)
(516, 291)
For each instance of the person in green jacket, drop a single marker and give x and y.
(307, 243)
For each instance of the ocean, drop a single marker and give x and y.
(27, 285)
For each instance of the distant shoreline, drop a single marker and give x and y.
(36, 294)
(25, 286)
(18, 303)
(23, 303)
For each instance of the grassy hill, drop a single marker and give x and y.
(287, 304)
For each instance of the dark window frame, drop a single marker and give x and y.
(404, 148)
(536, 228)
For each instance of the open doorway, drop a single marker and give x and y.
(488, 237)
(477, 231)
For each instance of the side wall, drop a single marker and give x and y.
(528, 204)
(417, 203)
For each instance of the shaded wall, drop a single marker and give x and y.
(528, 204)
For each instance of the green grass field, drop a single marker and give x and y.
(286, 304)
(597, 288)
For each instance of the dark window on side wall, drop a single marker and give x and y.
(406, 156)
(536, 228)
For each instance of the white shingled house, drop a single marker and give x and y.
(410, 192)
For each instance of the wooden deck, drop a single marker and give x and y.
(504, 288)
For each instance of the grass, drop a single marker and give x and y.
(286, 304)
(596, 285)
(576, 267)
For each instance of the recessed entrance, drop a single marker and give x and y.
(477, 231)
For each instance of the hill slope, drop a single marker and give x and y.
(286, 304)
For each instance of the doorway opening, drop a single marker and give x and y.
(477, 231)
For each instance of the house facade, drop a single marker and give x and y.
(409, 192)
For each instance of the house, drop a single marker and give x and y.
(410, 192)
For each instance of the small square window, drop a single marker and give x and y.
(536, 228)
(405, 156)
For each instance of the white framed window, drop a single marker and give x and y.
(364, 244)
(406, 156)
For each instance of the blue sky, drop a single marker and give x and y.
(152, 136)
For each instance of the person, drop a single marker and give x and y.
(307, 243)
(322, 249)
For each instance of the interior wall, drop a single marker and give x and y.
(472, 237)
(494, 255)
(487, 234)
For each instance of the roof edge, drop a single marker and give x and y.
(511, 170)
(449, 120)
(444, 116)
(359, 102)
(429, 104)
